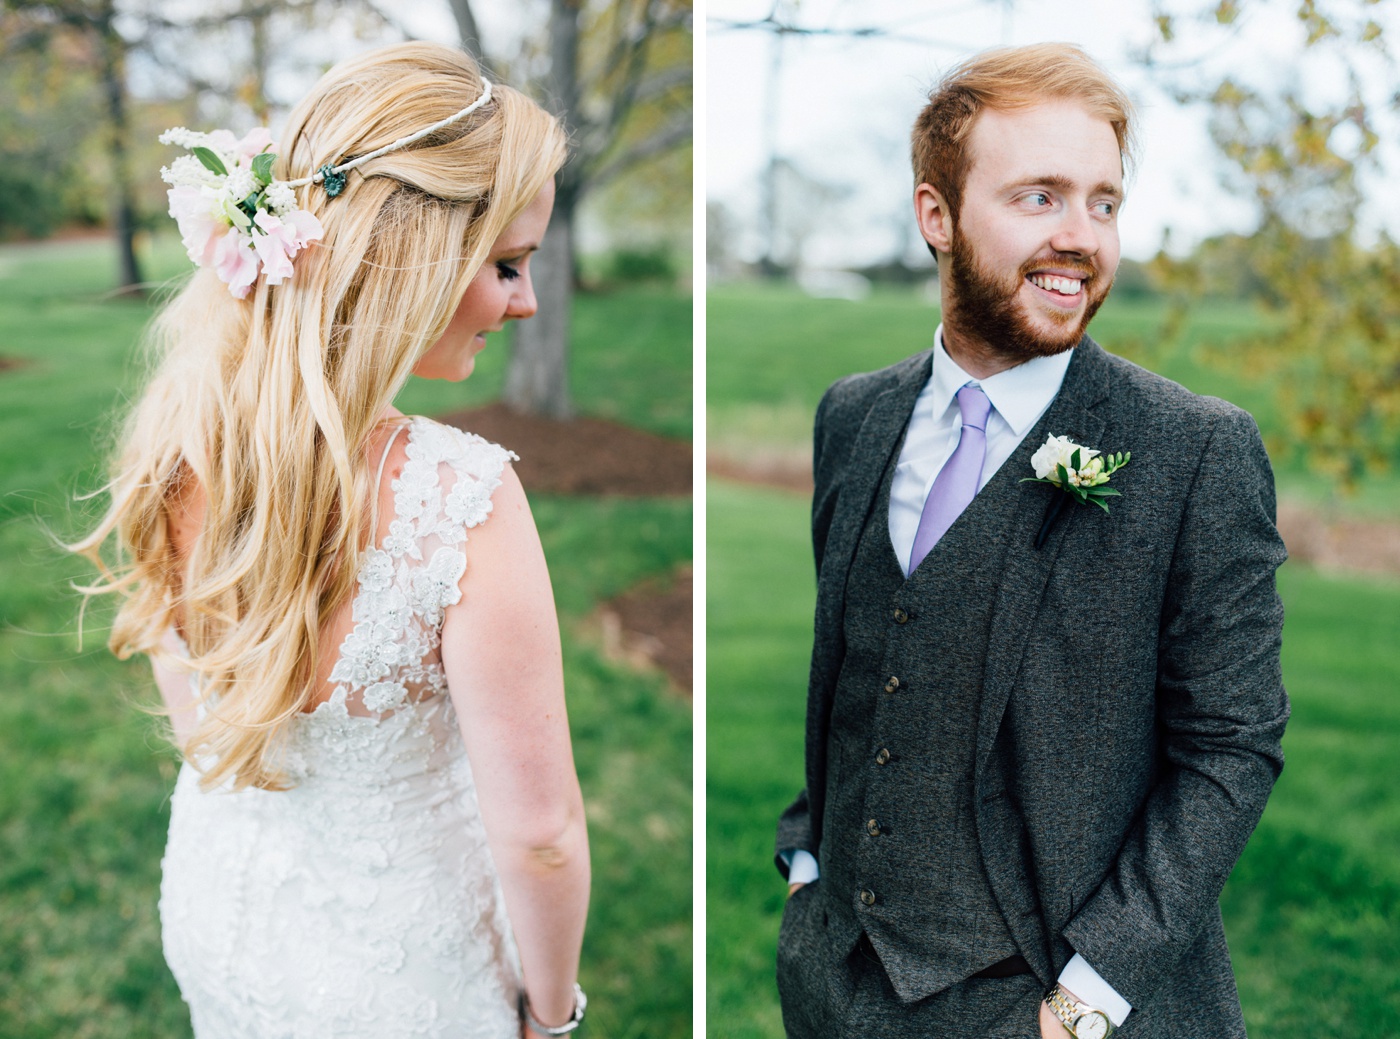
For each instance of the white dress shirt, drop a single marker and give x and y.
(1019, 397)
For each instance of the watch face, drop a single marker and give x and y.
(1093, 1025)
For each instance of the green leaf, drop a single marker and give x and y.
(211, 162)
(262, 167)
(1101, 504)
(1074, 460)
(1064, 476)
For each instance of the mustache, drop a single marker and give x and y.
(1061, 262)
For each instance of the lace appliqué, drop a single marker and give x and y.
(391, 655)
(363, 902)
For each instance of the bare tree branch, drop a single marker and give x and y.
(672, 135)
(467, 30)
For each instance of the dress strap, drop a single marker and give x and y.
(399, 427)
(383, 460)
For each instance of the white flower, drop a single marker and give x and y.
(179, 136)
(1060, 451)
(188, 171)
(434, 586)
(400, 540)
(384, 696)
(368, 653)
(377, 571)
(281, 199)
(469, 502)
(240, 184)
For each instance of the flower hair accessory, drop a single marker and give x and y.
(233, 216)
(236, 218)
(1082, 473)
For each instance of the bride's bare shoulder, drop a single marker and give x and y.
(185, 505)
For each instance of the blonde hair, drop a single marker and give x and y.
(1005, 79)
(269, 403)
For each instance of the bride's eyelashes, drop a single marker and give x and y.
(507, 271)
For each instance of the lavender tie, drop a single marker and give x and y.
(956, 484)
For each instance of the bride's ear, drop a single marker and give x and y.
(934, 217)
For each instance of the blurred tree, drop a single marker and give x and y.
(1328, 282)
(226, 52)
(618, 73)
(45, 174)
(94, 23)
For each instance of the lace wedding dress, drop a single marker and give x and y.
(363, 902)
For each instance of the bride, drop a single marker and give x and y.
(377, 830)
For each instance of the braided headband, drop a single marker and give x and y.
(235, 218)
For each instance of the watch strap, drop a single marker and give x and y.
(1071, 1012)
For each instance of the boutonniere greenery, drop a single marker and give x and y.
(1079, 471)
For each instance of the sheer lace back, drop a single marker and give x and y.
(392, 655)
(363, 901)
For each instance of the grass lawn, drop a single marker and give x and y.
(1312, 907)
(84, 774)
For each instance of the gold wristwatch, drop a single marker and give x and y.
(1082, 1020)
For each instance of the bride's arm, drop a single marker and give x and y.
(175, 690)
(500, 650)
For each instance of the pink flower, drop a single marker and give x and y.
(223, 141)
(282, 239)
(199, 228)
(236, 262)
(254, 142)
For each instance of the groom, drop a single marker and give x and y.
(1038, 733)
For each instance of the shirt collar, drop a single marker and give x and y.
(1020, 395)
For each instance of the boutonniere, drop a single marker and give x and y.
(1082, 473)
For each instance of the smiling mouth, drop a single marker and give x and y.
(1057, 284)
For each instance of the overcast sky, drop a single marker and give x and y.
(845, 105)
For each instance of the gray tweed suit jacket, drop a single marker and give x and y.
(1131, 706)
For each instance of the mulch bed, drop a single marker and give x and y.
(649, 625)
(787, 471)
(583, 455)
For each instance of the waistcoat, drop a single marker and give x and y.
(899, 855)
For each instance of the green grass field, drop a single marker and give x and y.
(84, 774)
(1312, 909)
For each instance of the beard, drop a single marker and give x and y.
(986, 307)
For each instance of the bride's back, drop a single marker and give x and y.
(369, 882)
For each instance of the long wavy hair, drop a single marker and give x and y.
(268, 404)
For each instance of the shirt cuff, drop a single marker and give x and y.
(802, 865)
(1089, 987)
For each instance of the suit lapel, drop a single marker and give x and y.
(1026, 570)
(880, 436)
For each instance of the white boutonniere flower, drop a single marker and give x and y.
(1081, 472)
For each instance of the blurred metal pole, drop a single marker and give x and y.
(769, 265)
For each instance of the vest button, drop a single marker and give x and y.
(872, 828)
(892, 684)
(900, 616)
(882, 757)
(868, 897)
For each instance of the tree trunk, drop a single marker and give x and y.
(537, 381)
(537, 378)
(113, 48)
(467, 30)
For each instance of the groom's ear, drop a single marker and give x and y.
(934, 217)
